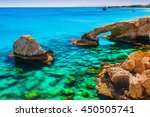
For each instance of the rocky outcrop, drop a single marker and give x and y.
(27, 48)
(129, 80)
(86, 42)
(134, 31)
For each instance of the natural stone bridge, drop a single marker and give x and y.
(132, 31)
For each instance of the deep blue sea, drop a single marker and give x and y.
(73, 72)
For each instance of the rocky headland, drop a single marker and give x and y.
(27, 48)
(133, 31)
(131, 6)
(129, 80)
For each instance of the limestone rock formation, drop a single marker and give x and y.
(27, 48)
(133, 31)
(129, 80)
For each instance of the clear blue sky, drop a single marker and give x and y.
(55, 3)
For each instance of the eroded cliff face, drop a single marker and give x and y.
(129, 80)
(132, 31)
(27, 48)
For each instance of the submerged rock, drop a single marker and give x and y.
(68, 92)
(32, 95)
(90, 86)
(70, 81)
(27, 48)
(85, 94)
(133, 31)
(129, 80)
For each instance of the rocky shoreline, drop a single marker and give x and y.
(129, 80)
(131, 6)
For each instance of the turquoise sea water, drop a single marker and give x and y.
(73, 72)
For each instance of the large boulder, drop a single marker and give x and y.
(27, 48)
(129, 65)
(129, 80)
(121, 79)
(135, 55)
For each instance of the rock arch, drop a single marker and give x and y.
(131, 31)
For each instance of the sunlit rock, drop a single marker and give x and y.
(27, 48)
(129, 80)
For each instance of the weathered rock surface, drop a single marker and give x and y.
(129, 65)
(27, 48)
(134, 31)
(136, 89)
(129, 80)
(86, 42)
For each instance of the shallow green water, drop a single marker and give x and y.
(71, 76)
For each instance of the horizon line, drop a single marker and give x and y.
(69, 6)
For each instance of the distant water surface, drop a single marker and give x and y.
(72, 74)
